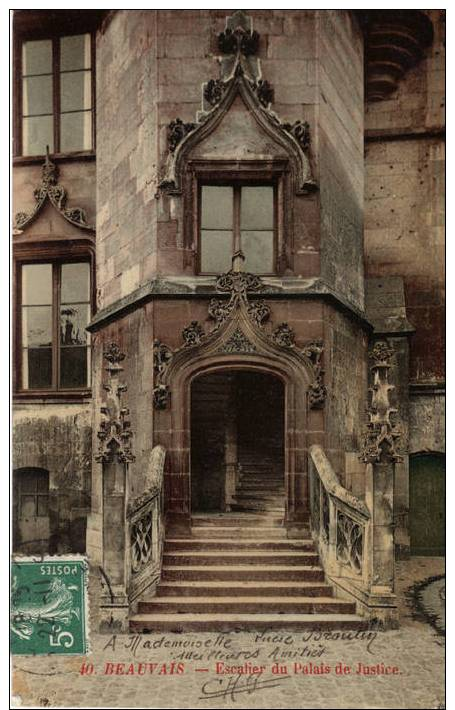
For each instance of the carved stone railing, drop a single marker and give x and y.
(145, 519)
(340, 522)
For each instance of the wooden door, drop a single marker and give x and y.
(427, 504)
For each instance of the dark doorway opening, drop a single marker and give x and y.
(427, 504)
(237, 431)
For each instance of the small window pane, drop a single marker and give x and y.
(28, 482)
(37, 133)
(37, 368)
(75, 283)
(43, 506)
(42, 482)
(76, 93)
(28, 506)
(36, 326)
(37, 284)
(37, 95)
(73, 367)
(37, 57)
(217, 207)
(256, 209)
(73, 321)
(75, 52)
(216, 251)
(258, 250)
(76, 131)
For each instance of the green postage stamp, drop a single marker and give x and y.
(49, 606)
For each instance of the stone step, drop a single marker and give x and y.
(251, 557)
(233, 572)
(259, 492)
(261, 485)
(246, 605)
(243, 622)
(232, 543)
(256, 506)
(219, 532)
(240, 520)
(193, 588)
(258, 495)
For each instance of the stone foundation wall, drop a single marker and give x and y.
(57, 438)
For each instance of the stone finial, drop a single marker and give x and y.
(382, 433)
(115, 432)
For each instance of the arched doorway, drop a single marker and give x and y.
(237, 442)
(427, 504)
(31, 528)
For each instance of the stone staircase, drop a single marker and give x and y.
(238, 570)
(260, 487)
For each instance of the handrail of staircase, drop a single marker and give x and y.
(340, 521)
(145, 517)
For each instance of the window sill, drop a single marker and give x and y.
(82, 155)
(43, 397)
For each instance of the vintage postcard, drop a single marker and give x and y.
(228, 484)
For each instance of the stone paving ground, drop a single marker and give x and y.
(416, 651)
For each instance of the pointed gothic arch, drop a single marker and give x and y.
(238, 341)
(184, 137)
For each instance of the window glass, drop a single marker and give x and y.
(75, 283)
(258, 250)
(216, 251)
(37, 57)
(57, 329)
(37, 95)
(252, 225)
(37, 133)
(36, 284)
(76, 91)
(67, 62)
(256, 211)
(217, 207)
(75, 52)
(76, 131)
(37, 368)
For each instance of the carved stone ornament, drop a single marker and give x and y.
(49, 189)
(193, 333)
(382, 433)
(238, 329)
(301, 132)
(238, 343)
(115, 433)
(213, 91)
(240, 74)
(349, 545)
(317, 392)
(176, 132)
(284, 335)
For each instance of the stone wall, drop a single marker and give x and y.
(126, 154)
(57, 438)
(340, 151)
(404, 207)
(346, 378)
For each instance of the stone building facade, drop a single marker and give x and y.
(307, 146)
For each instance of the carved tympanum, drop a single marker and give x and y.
(238, 328)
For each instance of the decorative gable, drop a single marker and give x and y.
(238, 103)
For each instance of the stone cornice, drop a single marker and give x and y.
(189, 288)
